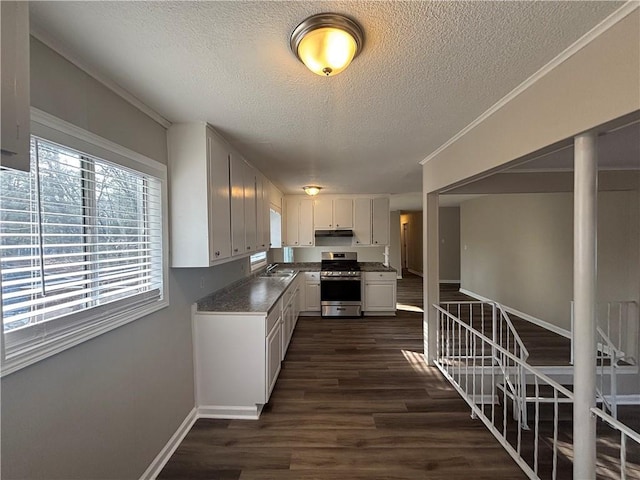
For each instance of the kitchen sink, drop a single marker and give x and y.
(279, 273)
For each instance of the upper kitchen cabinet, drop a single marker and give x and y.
(380, 221)
(250, 209)
(333, 214)
(200, 208)
(15, 85)
(362, 221)
(263, 217)
(299, 222)
(236, 182)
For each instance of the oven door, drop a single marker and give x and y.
(340, 296)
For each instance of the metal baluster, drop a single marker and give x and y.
(536, 427)
(623, 456)
(554, 471)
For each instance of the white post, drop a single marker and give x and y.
(431, 275)
(584, 295)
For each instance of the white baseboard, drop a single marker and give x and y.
(230, 412)
(449, 281)
(420, 274)
(163, 457)
(541, 323)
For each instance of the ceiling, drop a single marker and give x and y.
(427, 70)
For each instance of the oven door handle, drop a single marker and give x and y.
(339, 279)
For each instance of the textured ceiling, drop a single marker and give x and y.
(426, 71)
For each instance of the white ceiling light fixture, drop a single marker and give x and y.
(312, 190)
(327, 43)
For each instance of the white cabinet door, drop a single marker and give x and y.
(250, 209)
(380, 222)
(380, 292)
(322, 213)
(362, 221)
(262, 214)
(236, 167)
(292, 220)
(199, 182)
(273, 357)
(287, 325)
(380, 296)
(15, 85)
(219, 198)
(343, 213)
(312, 297)
(305, 233)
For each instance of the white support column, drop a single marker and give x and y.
(584, 296)
(431, 278)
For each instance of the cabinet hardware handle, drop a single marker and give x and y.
(235, 249)
(248, 248)
(217, 254)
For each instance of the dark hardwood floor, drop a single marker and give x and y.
(354, 400)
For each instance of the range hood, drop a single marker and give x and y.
(334, 233)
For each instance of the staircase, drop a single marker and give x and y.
(525, 399)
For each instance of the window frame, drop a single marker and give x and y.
(258, 261)
(58, 131)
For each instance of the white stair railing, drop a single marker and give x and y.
(467, 358)
(503, 333)
(617, 338)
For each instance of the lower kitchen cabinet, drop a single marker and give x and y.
(237, 356)
(273, 355)
(379, 293)
(311, 305)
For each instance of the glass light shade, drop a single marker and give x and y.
(327, 51)
(311, 190)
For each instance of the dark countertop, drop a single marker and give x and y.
(375, 267)
(257, 294)
(254, 294)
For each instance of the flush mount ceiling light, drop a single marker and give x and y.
(312, 190)
(326, 43)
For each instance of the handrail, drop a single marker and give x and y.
(515, 332)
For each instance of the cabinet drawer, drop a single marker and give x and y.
(312, 276)
(274, 317)
(385, 276)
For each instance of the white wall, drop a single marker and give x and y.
(105, 408)
(449, 251)
(518, 249)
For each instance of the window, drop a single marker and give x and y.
(258, 260)
(82, 240)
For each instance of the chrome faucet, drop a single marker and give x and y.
(271, 268)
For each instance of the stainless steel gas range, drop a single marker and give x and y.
(340, 285)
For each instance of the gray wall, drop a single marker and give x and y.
(518, 249)
(449, 251)
(105, 408)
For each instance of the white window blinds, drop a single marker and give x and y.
(81, 243)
